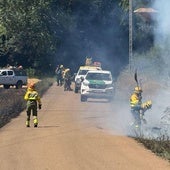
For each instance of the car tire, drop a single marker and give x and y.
(83, 98)
(19, 85)
(6, 86)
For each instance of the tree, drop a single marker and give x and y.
(43, 33)
(28, 38)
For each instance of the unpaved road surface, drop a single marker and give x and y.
(73, 136)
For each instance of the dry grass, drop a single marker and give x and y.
(12, 102)
(159, 146)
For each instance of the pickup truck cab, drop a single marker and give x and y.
(97, 84)
(13, 77)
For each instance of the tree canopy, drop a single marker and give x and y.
(43, 33)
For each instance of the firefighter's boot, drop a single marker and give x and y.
(35, 121)
(27, 123)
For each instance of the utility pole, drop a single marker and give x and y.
(130, 35)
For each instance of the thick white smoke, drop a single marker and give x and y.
(162, 31)
(154, 88)
(116, 117)
(163, 20)
(159, 117)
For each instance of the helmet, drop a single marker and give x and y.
(32, 85)
(138, 90)
(61, 66)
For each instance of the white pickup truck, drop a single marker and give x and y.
(97, 84)
(13, 77)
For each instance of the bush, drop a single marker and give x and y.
(12, 104)
(159, 146)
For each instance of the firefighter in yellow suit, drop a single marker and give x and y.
(137, 107)
(33, 100)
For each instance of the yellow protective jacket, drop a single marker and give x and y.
(135, 100)
(32, 95)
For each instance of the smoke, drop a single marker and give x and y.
(155, 88)
(101, 38)
(162, 31)
(159, 116)
(163, 21)
(98, 35)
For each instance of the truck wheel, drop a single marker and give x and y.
(6, 86)
(83, 98)
(19, 85)
(76, 90)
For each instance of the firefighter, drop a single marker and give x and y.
(137, 107)
(59, 72)
(33, 100)
(67, 80)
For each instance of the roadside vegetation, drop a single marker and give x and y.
(13, 103)
(160, 146)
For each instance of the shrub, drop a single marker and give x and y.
(159, 146)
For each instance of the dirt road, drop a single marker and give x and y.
(73, 136)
